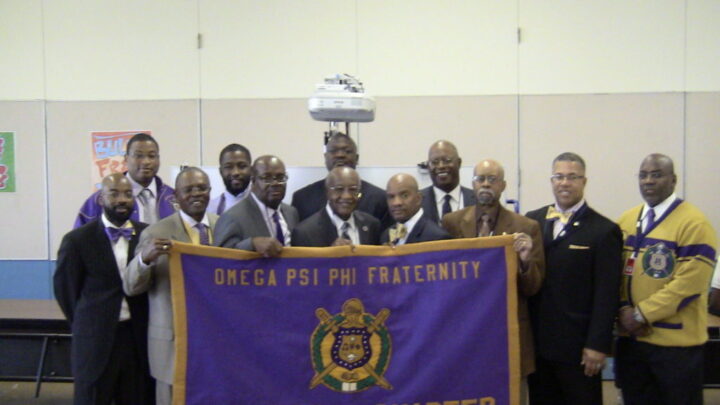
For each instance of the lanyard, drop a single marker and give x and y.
(640, 236)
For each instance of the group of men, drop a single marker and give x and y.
(580, 275)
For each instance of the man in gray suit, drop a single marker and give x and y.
(261, 222)
(338, 222)
(446, 194)
(149, 270)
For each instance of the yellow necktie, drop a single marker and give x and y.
(563, 217)
(397, 232)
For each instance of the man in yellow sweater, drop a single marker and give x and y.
(669, 255)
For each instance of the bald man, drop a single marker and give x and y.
(405, 204)
(488, 218)
(109, 345)
(339, 222)
(446, 194)
(261, 222)
(669, 253)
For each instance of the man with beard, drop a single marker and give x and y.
(109, 345)
(235, 169)
(149, 270)
(489, 218)
(341, 151)
(339, 223)
(669, 254)
(411, 225)
(155, 200)
(261, 222)
(446, 194)
(574, 312)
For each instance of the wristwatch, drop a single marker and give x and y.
(638, 316)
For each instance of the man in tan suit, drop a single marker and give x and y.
(149, 270)
(489, 218)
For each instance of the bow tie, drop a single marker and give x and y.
(553, 214)
(397, 232)
(115, 233)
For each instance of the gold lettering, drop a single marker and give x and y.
(463, 268)
(334, 274)
(430, 273)
(407, 276)
(371, 274)
(443, 268)
(383, 275)
(476, 269)
(243, 277)
(272, 280)
(290, 275)
(258, 277)
(454, 271)
(451, 402)
(219, 276)
(346, 276)
(418, 277)
(304, 276)
(315, 276)
(231, 277)
(397, 279)
(469, 402)
(487, 401)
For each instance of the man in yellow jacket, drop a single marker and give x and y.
(669, 255)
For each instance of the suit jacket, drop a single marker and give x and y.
(578, 301)
(244, 221)
(429, 203)
(319, 231)
(89, 290)
(425, 230)
(155, 280)
(311, 198)
(463, 224)
(92, 209)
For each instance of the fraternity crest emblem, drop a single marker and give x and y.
(658, 261)
(350, 351)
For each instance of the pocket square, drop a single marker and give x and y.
(579, 247)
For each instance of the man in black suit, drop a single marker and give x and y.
(341, 151)
(411, 226)
(109, 344)
(338, 222)
(446, 194)
(573, 314)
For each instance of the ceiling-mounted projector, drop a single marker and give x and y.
(341, 99)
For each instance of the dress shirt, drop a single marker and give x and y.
(338, 222)
(716, 276)
(189, 224)
(492, 213)
(267, 214)
(659, 210)
(558, 226)
(230, 200)
(120, 251)
(409, 225)
(456, 200)
(137, 188)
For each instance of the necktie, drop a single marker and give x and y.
(221, 206)
(397, 232)
(148, 204)
(650, 220)
(344, 231)
(485, 226)
(116, 233)
(278, 229)
(553, 214)
(202, 231)
(446, 209)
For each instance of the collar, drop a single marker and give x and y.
(572, 209)
(191, 221)
(235, 199)
(336, 220)
(410, 223)
(660, 208)
(137, 187)
(107, 224)
(492, 211)
(440, 194)
(264, 208)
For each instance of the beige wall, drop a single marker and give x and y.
(612, 81)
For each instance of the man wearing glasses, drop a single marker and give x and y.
(261, 222)
(446, 194)
(338, 222)
(574, 312)
(489, 218)
(668, 259)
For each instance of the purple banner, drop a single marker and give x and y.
(420, 324)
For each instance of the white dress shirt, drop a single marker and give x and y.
(338, 222)
(120, 250)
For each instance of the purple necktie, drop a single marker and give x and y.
(446, 208)
(202, 231)
(278, 229)
(650, 220)
(115, 233)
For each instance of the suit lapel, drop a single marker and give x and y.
(177, 229)
(416, 232)
(107, 255)
(504, 221)
(257, 217)
(327, 228)
(431, 206)
(575, 223)
(362, 230)
(468, 225)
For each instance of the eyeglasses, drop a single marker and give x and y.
(559, 178)
(278, 178)
(339, 190)
(652, 175)
(193, 189)
(446, 161)
(482, 179)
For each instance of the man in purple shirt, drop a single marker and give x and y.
(153, 199)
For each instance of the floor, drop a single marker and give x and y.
(21, 393)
